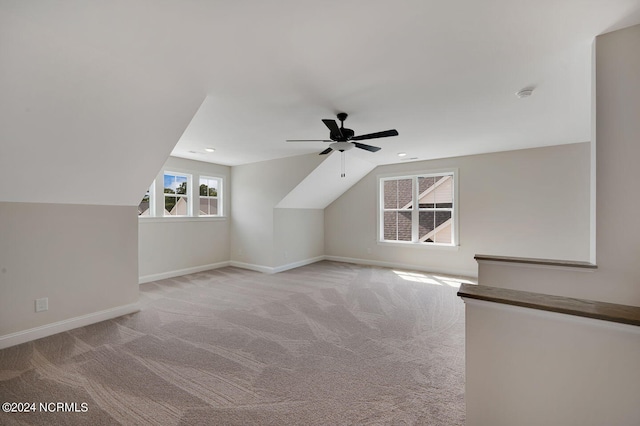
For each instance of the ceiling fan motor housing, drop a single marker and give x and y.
(347, 134)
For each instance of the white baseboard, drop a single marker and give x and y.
(276, 269)
(370, 262)
(253, 267)
(179, 272)
(65, 325)
(299, 263)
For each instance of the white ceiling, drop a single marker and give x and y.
(444, 74)
(92, 86)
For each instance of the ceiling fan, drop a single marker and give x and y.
(343, 139)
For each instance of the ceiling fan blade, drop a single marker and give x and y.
(367, 147)
(309, 140)
(326, 151)
(333, 127)
(384, 134)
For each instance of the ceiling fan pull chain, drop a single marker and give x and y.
(343, 174)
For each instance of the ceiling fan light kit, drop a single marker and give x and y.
(341, 146)
(344, 139)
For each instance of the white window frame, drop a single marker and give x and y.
(415, 209)
(156, 211)
(218, 197)
(188, 195)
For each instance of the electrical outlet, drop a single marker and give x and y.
(286, 254)
(240, 252)
(368, 250)
(42, 304)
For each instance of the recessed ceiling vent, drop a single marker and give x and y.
(524, 93)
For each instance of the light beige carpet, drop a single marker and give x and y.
(326, 344)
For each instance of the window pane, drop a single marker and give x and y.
(435, 227)
(208, 206)
(169, 204)
(397, 226)
(426, 191)
(425, 183)
(143, 207)
(208, 187)
(175, 184)
(390, 194)
(204, 188)
(213, 188)
(181, 184)
(176, 206)
(436, 191)
(398, 194)
(169, 184)
(444, 192)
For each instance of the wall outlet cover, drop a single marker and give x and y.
(42, 304)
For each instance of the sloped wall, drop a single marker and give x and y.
(86, 121)
(81, 123)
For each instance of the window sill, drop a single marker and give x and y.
(167, 219)
(403, 244)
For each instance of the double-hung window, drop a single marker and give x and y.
(418, 209)
(210, 204)
(183, 195)
(177, 188)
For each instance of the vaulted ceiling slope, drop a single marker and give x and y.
(326, 182)
(85, 117)
(95, 95)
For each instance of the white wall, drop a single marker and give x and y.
(531, 368)
(81, 124)
(529, 203)
(82, 116)
(617, 154)
(82, 257)
(298, 235)
(175, 246)
(618, 202)
(256, 189)
(536, 368)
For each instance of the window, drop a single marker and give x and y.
(144, 208)
(209, 202)
(176, 194)
(184, 194)
(418, 209)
